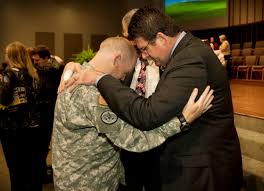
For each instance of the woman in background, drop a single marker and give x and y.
(213, 44)
(19, 135)
(225, 49)
(225, 46)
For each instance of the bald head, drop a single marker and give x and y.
(116, 56)
(120, 46)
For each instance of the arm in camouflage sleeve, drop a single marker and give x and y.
(126, 136)
(132, 139)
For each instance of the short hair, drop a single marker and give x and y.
(222, 37)
(43, 51)
(127, 18)
(121, 45)
(147, 22)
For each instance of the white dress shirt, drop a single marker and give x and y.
(152, 77)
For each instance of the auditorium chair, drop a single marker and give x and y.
(258, 68)
(236, 61)
(259, 51)
(235, 46)
(246, 51)
(259, 44)
(235, 52)
(247, 45)
(249, 62)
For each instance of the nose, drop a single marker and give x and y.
(144, 55)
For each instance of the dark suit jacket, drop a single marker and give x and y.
(212, 142)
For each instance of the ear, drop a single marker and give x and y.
(117, 59)
(161, 38)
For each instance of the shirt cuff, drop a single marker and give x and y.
(98, 79)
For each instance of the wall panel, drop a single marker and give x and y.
(73, 44)
(47, 39)
(251, 11)
(243, 12)
(236, 12)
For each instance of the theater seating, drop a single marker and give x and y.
(258, 68)
(249, 62)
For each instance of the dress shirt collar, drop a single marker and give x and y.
(182, 34)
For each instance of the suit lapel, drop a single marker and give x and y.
(184, 41)
(182, 44)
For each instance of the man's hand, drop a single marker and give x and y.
(86, 77)
(71, 67)
(192, 110)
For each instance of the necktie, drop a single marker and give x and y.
(141, 81)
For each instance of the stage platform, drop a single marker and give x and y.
(248, 97)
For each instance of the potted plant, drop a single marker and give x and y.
(84, 56)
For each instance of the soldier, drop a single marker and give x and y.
(87, 134)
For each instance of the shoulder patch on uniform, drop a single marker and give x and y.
(102, 101)
(109, 117)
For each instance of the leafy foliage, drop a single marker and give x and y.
(84, 56)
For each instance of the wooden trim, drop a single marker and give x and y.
(233, 15)
(239, 12)
(255, 10)
(229, 11)
(247, 13)
(262, 10)
(249, 115)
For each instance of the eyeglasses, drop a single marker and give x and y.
(143, 49)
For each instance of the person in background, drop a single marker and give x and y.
(6, 94)
(141, 169)
(206, 158)
(213, 44)
(218, 53)
(221, 57)
(87, 134)
(225, 49)
(225, 46)
(49, 69)
(19, 136)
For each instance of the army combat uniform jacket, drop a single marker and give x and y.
(86, 139)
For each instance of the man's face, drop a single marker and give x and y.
(154, 50)
(39, 61)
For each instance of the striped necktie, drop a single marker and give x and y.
(141, 81)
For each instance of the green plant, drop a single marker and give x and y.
(84, 56)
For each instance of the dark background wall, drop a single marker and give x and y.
(245, 22)
(61, 22)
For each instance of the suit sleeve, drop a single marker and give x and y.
(173, 91)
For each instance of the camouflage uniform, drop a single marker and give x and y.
(85, 141)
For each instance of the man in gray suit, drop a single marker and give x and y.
(208, 156)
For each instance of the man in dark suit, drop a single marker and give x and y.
(208, 156)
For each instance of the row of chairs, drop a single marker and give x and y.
(258, 44)
(247, 52)
(248, 67)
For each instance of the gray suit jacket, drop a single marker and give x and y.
(212, 142)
